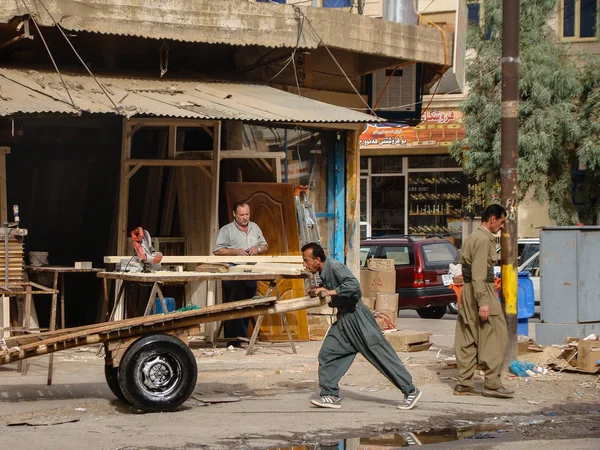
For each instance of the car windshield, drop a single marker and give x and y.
(438, 255)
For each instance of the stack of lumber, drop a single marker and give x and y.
(15, 260)
(261, 267)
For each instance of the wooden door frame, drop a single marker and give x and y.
(3, 196)
(130, 166)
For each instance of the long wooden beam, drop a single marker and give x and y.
(215, 259)
(168, 162)
(149, 325)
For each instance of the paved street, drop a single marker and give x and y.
(261, 402)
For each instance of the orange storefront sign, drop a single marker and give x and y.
(439, 128)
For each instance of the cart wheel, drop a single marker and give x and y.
(112, 379)
(158, 373)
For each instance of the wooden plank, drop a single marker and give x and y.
(3, 197)
(352, 219)
(172, 145)
(158, 122)
(151, 324)
(168, 162)
(215, 259)
(5, 310)
(249, 154)
(123, 188)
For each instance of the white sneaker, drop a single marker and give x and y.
(328, 401)
(410, 400)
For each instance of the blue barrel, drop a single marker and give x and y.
(525, 302)
(170, 305)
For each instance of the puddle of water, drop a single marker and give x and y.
(392, 441)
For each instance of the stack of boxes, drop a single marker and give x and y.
(378, 285)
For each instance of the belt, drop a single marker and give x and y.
(467, 274)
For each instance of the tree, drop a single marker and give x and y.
(548, 126)
(588, 147)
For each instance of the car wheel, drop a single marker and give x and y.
(453, 308)
(112, 379)
(433, 312)
(158, 373)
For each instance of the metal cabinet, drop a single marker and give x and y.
(570, 283)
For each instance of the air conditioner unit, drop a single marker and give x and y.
(401, 92)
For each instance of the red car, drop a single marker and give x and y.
(421, 270)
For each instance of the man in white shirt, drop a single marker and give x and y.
(241, 237)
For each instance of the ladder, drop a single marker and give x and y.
(307, 219)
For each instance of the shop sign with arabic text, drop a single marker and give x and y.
(439, 128)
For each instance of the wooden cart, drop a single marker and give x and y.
(148, 361)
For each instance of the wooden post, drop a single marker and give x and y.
(216, 168)
(124, 189)
(352, 250)
(3, 198)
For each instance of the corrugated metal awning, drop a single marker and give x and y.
(28, 91)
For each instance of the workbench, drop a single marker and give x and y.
(160, 278)
(58, 287)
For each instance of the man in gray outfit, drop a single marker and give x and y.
(355, 331)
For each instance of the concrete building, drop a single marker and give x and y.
(182, 98)
(403, 165)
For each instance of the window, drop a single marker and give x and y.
(337, 3)
(473, 12)
(578, 19)
(367, 253)
(402, 256)
(438, 256)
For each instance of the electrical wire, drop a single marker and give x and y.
(77, 54)
(49, 53)
(334, 59)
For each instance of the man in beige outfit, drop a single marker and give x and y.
(481, 332)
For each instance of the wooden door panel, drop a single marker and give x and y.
(273, 208)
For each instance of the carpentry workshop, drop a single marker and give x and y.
(111, 222)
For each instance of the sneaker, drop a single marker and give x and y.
(501, 392)
(328, 401)
(410, 400)
(465, 390)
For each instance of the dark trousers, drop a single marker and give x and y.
(358, 332)
(238, 290)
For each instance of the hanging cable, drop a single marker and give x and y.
(440, 72)
(334, 59)
(49, 53)
(75, 51)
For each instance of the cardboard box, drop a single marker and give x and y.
(83, 265)
(588, 355)
(391, 316)
(373, 281)
(386, 302)
(380, 264)
(409, 341)
(317, 332)
(318, 319)
(369, 302)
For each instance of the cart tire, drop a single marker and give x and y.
(112, 379)
(158, 373)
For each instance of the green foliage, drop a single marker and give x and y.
(588, 146)
(548, 125)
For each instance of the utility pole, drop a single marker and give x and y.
(509, 175)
